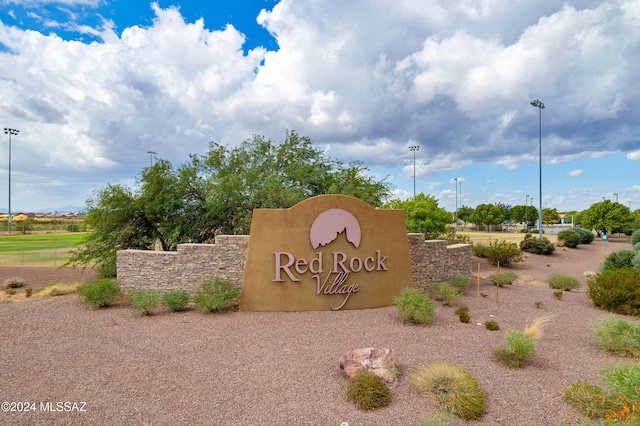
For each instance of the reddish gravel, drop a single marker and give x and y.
(248, 368)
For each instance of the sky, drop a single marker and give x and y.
(94, 85)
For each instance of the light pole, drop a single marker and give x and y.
(540, 106)
(531, 207)
(616, 197)
(414, 148)
(151, 154)
(9, 131)
(526, 212)
(456, 179)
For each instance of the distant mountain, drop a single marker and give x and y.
(60, 210)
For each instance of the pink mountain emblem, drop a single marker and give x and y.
(330, 223)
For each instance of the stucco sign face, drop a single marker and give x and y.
(328, 252)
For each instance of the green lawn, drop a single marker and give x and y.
(38, 249)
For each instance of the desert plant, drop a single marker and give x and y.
(504, 253)
(101, 292)
(557, 295)
(518, 347)
(446, 293)
(532, 244)
(176, 300)
(453, 387)
(463, 314)
(617, 335)
(563, 282)
(635, 262)
(586, 237)
(10, 291)
(492, 325)
(28, 292)
(503, 278)
(618, 260)
(589, 400)
(569, 238)
(415, 307)
(539, 305)
(368, 391)
(616, 290)
(57, 289)
(635, 237)
(215, 294)
(535, 327)
(623, 378)
(145, 301)
(636, 247)
(479, 250)
(13, 282)
(460, 283)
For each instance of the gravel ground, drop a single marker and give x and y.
(253, 368)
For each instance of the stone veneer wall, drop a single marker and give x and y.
(432, 262)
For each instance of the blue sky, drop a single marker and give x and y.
(93, 85)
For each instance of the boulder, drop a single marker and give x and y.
(379, 361)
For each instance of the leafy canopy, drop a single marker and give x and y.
(607, 217)
(423, 215)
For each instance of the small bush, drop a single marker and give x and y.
(479, 250)
(102, 292)
(617, 335)
(58, 289)
(563, 282)
(461, 284)
(14, 282)
(616, 291)
(10, 291)
(28, 292)
(446, 293)
(108, 268)
(517, 349)
(503, 278)
(454, 388)
(636, 247)
(176, 300)
(463, 314)
(586, 237)
(492, 325)
(618, 260)
(539, 305)
(557, 295)
(569, 238)
(368, 391)
(215, 294)
(532, 244)
(623, 378)
(635, 262)
(415, 307)
(504, 253)
(145, 301)
(635, 237)
(589, 400)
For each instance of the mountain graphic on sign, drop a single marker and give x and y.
(330, 223)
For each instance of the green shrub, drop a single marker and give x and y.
(586, 237)
(569, 238)
(636, 247)
(539, 305)
(563, 282)
(14, 282)
(623, 378)
(616, 290)
(618, 260)
(492, 325)
(635, 237)
(503, 278)
(176, 300)
(368, 391)
(558, 294)
(461, 284)
(463, 314)
(454, 388)
(415, 307)
(504, 253)
(215, 294)
(479, 250)
(617, 335)
(589, 400)
(446, 293)
(108, 268)
(145, 301)
(101, 292)
(532, 244)
(635, 262)
(28, 292)
(517, 349)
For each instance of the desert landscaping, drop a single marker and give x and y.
(248, 368)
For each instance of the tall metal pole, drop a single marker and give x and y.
(414, 148)
(9, 131)
(526, 212)
(151, 154)
(456, 179)
(616, 197)
(540, 107)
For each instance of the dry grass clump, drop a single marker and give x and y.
(58, 289)
(534, 328)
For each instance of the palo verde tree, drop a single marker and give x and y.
(606, 216)
(487, 214)
(423, 215)
(214, 194)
